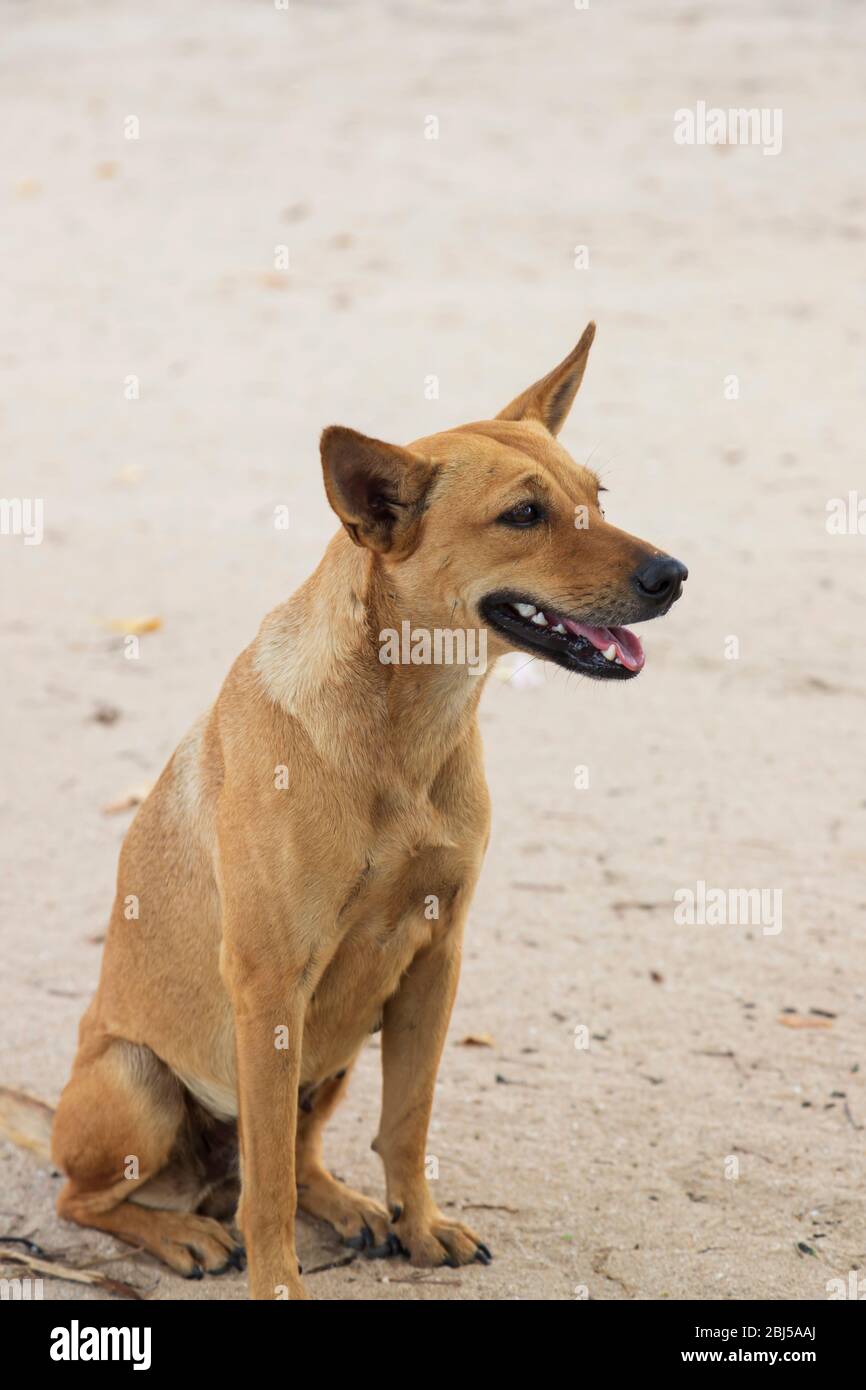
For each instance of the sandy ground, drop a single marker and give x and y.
(603, 1170)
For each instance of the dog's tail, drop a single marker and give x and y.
(26, 1122)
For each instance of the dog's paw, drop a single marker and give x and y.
(360, 1221)
(195, 1245)
(434, 1240)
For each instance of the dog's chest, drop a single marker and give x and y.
(409, 865)
(402, 898)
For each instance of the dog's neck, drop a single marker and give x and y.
(320, 659)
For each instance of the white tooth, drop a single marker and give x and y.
(540, 620)
(610, 653)
(526, 610)
(558, 628)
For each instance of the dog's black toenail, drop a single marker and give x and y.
(483, 1255)
(363, 1240)
(396, 1212)
(394, 1245)
(485, 1250)
(380, 1252)
(195, 1273)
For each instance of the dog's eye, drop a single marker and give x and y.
(524, 514)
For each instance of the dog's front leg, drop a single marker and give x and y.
(269, 1005)
(414, 1025)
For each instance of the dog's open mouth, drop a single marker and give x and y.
(606, 653)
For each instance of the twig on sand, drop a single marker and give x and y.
(332, 1264)
(421, 1279)
(52, 1270)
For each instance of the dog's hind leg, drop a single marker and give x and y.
(120, 1136)
(360, 1221)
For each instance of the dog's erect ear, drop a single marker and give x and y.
(376, 489)
(551, 398)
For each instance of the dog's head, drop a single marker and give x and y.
(494, 525)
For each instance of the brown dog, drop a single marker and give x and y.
(301, 872)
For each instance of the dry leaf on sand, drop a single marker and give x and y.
(26, 1122)
(133, 627)
(274, 280)
(797, 1021)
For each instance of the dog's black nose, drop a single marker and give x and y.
(660, 580)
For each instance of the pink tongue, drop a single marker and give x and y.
(629, 649)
